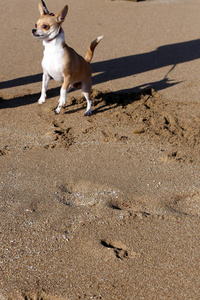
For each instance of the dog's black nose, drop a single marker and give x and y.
(34, 30)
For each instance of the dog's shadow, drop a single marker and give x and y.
(108, 70)
(168, 55)
(104, 101)
(26, 99)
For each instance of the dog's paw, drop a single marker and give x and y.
(57, 110)
(41, 100)
(88, 113)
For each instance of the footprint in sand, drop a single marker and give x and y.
(187, 205)
(120, 250)
(85, 193)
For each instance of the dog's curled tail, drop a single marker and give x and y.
(91, 48)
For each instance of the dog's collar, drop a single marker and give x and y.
(56, 35)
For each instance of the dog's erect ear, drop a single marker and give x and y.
(41, 9)
(62, 14)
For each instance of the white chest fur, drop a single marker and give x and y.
(52, 61)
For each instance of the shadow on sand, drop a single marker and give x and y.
(168, 55)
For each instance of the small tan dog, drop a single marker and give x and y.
(60, 61)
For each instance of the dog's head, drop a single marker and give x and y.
(48, 25)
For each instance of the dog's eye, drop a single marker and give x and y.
(35, 25)
(44, 26)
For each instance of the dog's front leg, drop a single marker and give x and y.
(63, 93)
(45, 81)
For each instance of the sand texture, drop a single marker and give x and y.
(105, 206)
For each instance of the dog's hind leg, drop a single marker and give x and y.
(86, 90)
(45, 81)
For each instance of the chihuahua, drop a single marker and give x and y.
(61, 62)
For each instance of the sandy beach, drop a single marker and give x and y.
(105, 206)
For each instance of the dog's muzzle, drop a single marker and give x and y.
(35, 34)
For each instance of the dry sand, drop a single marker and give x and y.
(106, 206)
